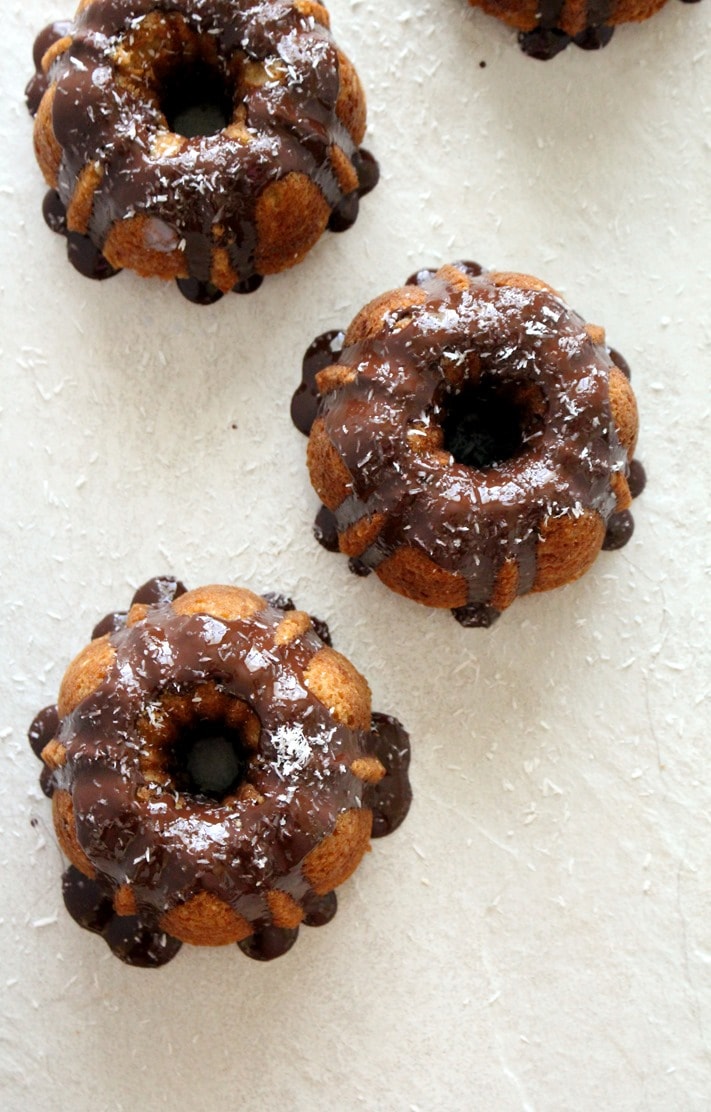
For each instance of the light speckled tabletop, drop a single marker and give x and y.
(536, 936)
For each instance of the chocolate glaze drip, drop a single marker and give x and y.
(345, 213)
(279, 601)
(326, 530)
(90, 904)
(390, 798)
(54, 213)
(324, 350)
(37, 87)
(368, 170)
(637, 478)
(319, 910)
(159, 591)
(44, 727)
(81, 252)
(543, 43)
(548, 39)
(359, 567)
(490, 341)
(160, 839)
(422, 277)
(250, 285)
(109, 624)
(46, 782)
(86, 257)
(321, 629)
(203, 196)
(200, 293)
(475, 616)
(269, 943)
(594, 38)
(620, 362)
(620, 528)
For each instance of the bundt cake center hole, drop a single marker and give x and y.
(486, 424)
(196, 100)
(210, 759)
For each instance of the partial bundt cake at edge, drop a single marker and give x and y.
(279, 161)
(547, 26)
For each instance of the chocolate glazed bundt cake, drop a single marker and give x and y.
(547, 26)
(210, 141)
(215, 773)
(471, 439)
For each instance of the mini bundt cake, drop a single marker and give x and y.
(210, 141)
(215, 773)
(547, 26)
(471, 439)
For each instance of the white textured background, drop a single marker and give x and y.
(537, 935)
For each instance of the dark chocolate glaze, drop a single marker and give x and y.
(132, 940)
(319, 910)
(620, 528)
(344, 214)
(82, 253)
(326, 530)
(160, 590)
(475, 616)
(470, 520)
(620, 362)
(86, 257)
(44, 727)
(51, 34)
(543, 43)
(109, 624)
(46, 782)
(594, 38)
(359, 567)
(321, 629)
(269, 943)
(281, 602)
(324, 350)
(547, 39)
(203, 196)
(637, 478)
(368, 170)
(389, 799)
(200, 293)
(422, 277)
(54, 213)
(169, 844)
